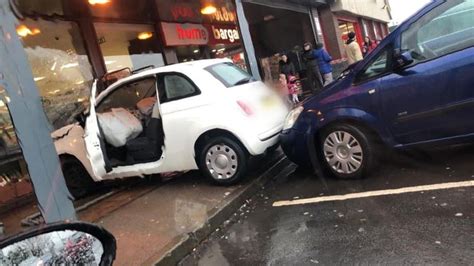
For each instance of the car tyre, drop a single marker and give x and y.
(347, 151)
(77, 179)
(223, 160)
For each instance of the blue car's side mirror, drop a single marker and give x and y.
(402, 60)
(60, 244)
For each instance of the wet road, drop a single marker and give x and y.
(423, 227)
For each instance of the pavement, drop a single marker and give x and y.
(160, 222)
(156, 223)
(433, 227)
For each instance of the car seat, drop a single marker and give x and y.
(148, 147)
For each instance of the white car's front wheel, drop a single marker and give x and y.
(223, 160)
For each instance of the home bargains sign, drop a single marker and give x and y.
(176, 34)
(223, 34)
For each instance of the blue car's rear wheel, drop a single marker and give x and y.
(347, 151)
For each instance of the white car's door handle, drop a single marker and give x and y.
(372, 91)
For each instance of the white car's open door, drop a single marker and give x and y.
(94, 140)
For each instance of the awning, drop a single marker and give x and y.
(295, 5)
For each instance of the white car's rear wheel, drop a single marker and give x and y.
(223, 160)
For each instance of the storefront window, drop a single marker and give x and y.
(190, 53)
(128, 45)
(346, 26)
(232, 52)
(366, 28)
(376, 30)
(43, 7)
(123, 9)
(317, 23)
(60, 67)
(15, 185)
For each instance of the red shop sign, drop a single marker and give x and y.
(223, 34)
(176, 34)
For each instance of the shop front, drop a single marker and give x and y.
(70, 43)
(190, 35)
(347, 25)
(282, 27)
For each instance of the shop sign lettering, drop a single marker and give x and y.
(224, 15)
(182, 12)
(176, 34)
(191, 33)
(227, 35)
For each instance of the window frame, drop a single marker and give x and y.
(162, 86)
(109, 93)
(414, 24)
(389, 48)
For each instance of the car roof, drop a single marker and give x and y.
(181, 67)
(200, 64)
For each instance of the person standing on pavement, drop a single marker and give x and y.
(286, 66)
(293, 89)
(369, 45)
(312, 68)
(324, 62)
(353, 51)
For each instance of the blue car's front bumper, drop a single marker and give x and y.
(295, 145)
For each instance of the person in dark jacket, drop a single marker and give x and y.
(287, 67)
(324, 61)
(312, 68)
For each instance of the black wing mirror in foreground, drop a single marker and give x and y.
(60, 244)
(402, 60)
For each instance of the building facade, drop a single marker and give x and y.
(364, 17)
(69, 43)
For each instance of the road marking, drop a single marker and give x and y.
(375, 193)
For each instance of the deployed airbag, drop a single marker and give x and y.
(146, 106)
(119, 126)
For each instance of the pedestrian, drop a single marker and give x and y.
(324, 61)
(283, 90)
(312, 68)
(353, 51)
(293, 89)
(286, 66)
(369, 45)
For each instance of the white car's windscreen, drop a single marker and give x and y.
(229, 74)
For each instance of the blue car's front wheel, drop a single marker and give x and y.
(347, 151)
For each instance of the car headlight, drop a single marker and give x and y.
(292, 117)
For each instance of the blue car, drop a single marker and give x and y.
(415, 88)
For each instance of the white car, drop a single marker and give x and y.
(208, 115)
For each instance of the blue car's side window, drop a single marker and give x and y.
(377, 67)
(446, 29)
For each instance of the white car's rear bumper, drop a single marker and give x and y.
(259, 144)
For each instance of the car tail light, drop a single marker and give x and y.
(245, 108)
